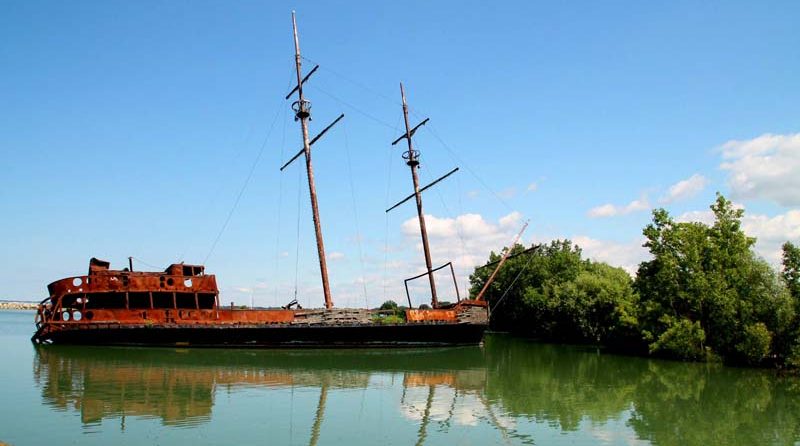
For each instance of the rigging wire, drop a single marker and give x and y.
(430, 127)
(280, 207)
(522, 270)
(244, 186)
(297, 241)
(146, 264)
(386, 214)
(354, 82)
(355, 213)
(209, 203)
(356, 109)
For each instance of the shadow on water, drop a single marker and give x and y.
(510, 385)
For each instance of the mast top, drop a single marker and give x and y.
(302, 110)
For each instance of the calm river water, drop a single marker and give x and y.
(509, 391)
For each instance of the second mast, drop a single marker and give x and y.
(302, 109)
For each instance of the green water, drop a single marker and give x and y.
(509, 391)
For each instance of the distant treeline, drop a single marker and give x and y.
(705, 295)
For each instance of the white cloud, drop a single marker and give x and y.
(513, 219)
(764, 167)
(610, 210)
(533, 187)
(625, 255)
(685, 189)
(335, 255)
(706, 217)
(465, 240)
(770, 232)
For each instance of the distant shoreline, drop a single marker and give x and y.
(10, 305)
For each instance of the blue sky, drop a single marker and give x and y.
(130, 128)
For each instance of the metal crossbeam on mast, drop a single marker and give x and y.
(311, 143)
(302, 109)
(412, 160)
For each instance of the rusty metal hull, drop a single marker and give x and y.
(274, 336)
(180, 307)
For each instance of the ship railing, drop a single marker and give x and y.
(452, 273)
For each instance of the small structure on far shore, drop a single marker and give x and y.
(17, 305)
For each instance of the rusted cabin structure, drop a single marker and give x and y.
(180, 307)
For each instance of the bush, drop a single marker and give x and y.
(393, 319)
(683, 339)
(716, 291)
(754, 346)
(559, 296)
(388, 305)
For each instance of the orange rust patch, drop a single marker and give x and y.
(180, 316)
(430, 315)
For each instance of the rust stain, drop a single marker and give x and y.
(180, 296)
(433, 315)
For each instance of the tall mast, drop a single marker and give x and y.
(302, 110)
(412, 160)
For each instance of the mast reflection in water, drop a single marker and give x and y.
(508, 392)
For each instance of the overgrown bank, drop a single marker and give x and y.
(704, 295)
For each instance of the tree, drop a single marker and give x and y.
(706, 293)
(389, 305)
(790, 344)
(791, 269)
(552, 293)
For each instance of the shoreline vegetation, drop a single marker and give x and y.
(704, 295)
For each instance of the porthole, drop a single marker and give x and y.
(77, 281)
(76, 316)
(65, 316)
(89, 315)
(170, 282)
(187, 283)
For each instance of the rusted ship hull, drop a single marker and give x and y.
(180, 307)
(273, 336)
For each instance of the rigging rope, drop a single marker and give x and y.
(354, 82)
(297, 241)
(280, 209)
(355, 213)
(386, 214)
(522, 270)
(429, 126)
(356, 109)
(244, 186)
(158, 268)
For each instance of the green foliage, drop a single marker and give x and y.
(392, 319)
(755, 343)
(789, 344)
(560, 296)
(705, 286)
(682, 339)
(703, 295)
(791, 269)
(388, 305)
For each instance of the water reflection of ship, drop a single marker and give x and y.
(508, 385)
(179, 387)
